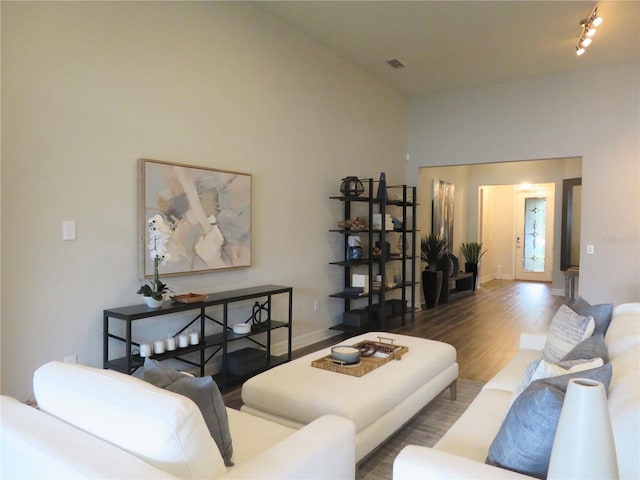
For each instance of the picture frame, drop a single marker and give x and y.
(208, 210)
(442, 211)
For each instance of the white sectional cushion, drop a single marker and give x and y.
(567, 330)
(508, 378)
(162, 428)
(476, 428)
(253, 435)
(624, 331)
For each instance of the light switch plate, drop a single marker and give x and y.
(69, 230)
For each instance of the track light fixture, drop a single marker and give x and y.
(589, 29)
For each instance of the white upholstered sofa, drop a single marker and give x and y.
(461, 453)
(141, 431)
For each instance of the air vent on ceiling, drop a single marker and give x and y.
(395, 63)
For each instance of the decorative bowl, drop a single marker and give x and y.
(345, 354)
(241, 328)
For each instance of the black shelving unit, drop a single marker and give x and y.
(398, 201)
(210, 345)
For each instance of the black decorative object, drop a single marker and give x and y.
(472, 268)
(259, 310)
(382, 188)
(351, 187)
(431, 287)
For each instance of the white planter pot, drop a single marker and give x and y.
(152, 302)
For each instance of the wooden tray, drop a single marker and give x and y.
(367, 364)
(189, 298)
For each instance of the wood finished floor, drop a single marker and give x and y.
(484, 326)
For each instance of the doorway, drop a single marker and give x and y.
(534, 207)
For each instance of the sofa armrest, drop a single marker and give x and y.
(532, 341)
(414, 462)
(36, 445)
(323, 449)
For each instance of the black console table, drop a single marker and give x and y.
(218, 341)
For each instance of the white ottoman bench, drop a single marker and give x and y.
(379, 402)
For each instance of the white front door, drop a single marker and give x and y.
(534, 232)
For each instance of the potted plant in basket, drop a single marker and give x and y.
(155, 291)
(432, 249)
(472, 251)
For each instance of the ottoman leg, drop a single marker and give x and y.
(453, 390)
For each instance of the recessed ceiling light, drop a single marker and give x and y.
(395, 63)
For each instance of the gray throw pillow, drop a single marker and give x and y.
(567, 329)
(592, 347)
(523, 443)
(204, 392)
(601, 313)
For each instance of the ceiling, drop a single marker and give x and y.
(454, 44)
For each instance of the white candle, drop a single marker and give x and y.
(145, 350)
(183, 340)
(171, 343)
(194, 338)
(158, 346)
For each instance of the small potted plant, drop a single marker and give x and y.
(155, 291)
(472, 252)
(432, 249)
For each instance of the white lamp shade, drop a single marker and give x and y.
(583, 447)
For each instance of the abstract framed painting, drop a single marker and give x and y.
(208, 210)
(442, 211)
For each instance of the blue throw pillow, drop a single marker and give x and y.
(523, 443)
(592, 347)
(601, 313)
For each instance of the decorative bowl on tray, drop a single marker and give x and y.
(345, 355)
(189, 298)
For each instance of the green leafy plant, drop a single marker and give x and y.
(432, 248)
(472, 251)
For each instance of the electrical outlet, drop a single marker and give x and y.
(316, 305)
(590, 250)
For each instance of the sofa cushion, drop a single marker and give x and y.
(523, 443)
(478, 425)
(162, 428)
(624, 331)
(624, 398)
(509, 377)
(601, 313)
(567, 330)
(253, 435)
(592, 347)
(206, 395)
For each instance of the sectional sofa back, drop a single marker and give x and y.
(162, 428)
(623, 346)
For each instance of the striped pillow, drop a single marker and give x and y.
(567, 330)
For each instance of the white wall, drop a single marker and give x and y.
(89, 87)
(593, 114)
